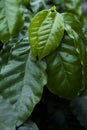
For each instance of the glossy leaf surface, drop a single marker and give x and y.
(21, 79)
(7, 115)
(75, 33)
(64, 70)
(11, 19)
(45, 32)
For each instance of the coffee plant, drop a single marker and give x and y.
(43, 66)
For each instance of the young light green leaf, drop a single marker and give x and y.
(64, 70)
(45, 32)
(11, 19)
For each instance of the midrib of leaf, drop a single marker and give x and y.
(51, 29)
(18, 102)
(23, 81)
(65, 72)
(18, 54)
(40, 27)
(38, 30)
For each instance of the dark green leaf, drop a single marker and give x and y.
(11, 19)
(7, 115)
(64, 70)
(38, 5)
(45, 32)
(29, 126)
(25, 3)
(72, 6)
(21, 81)
(15, 56)
(75, 32)
(79, 108)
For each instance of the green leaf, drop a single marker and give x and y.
(25, 3)
(75, 32)
(5, 57)
(29, 126)
(38, 5)
(34, 81)
(45, 32)
(71, 19)
(79, 108)
(7, 47)
(21, 81)
(7, 117)
(11, 20)
(72, 6)
(64, 70)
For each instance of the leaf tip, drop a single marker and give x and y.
(53, 8)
